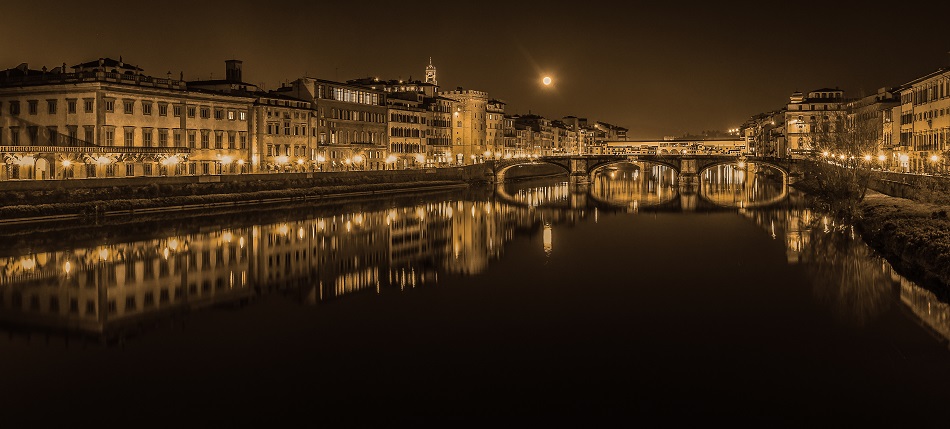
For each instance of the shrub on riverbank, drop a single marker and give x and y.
(912, 234)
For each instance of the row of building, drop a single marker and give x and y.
(107, 118)
(907, 125)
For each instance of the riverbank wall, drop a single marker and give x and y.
(47, 199)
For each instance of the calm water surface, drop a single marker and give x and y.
(526, 303)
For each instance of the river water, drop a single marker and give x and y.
(527, 303)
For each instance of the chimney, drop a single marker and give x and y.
(233, 70)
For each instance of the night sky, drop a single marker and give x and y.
(659, 70)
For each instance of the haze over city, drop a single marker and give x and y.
(658, 70)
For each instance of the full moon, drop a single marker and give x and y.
(546, 80)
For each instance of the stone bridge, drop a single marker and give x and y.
(688, 168)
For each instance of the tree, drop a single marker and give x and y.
(841, 151)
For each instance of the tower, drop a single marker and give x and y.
(233, 70)
(430, 73)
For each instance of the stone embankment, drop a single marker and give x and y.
(51, 200)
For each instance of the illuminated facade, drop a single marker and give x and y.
(805, 112)
(469, 121)
(107, 119)
(408, 131)
(352, 123)
(495, 128)
(925, 121)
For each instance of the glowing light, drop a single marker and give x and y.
(390, 159)
(226, 160)
(358, 159)
(299, 161)
(547, 80)
(240, 162)
(320, 158)
(282, 159)
(934, 158)
(103, 160)
(173, 244)
(547, 241)
(66, 163)
(172, 160)
(420, 158)
(67, 267)
(300, 233)
(28, 264)
(241, 242)
(283, 229)
(867, 157)
(881, 158)
(104, 254)
(824, 154)
(227, 237)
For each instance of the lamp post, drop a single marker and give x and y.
(66, 164)
(934, 159)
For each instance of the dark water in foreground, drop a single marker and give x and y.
(530, 305)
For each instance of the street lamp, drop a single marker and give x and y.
(66, 164)
(934, 159)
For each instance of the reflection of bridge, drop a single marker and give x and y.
(687, 167)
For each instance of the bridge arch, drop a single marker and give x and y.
(785, 173)
(502, 168)
(594, 168)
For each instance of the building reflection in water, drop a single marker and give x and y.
(634, 185)
(103, 288)
(741, 185)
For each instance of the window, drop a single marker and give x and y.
(129, 136)
(14, 107)
(231, 140)
(218, 114)
(128, 106)
(147, 169)
(191, 111)
(147, 137)
(15, 136)
(192, 139)
(243, 140)
(230, 115)
(129, 172)
(162, 109)
(146, 107)
(176, 111)
(205, 137)
(32, 106)
(163, 137)
(205, 113)
(218, 140)
(87, 105)
(70, 106)
(242, 116)
(51, 107)
(286, 128)
(90, 134)
(177, 137)
(110, 106)
(33, 134)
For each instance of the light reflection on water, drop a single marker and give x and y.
(98, 289)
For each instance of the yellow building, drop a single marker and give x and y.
(469, 122)
(925, 121)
